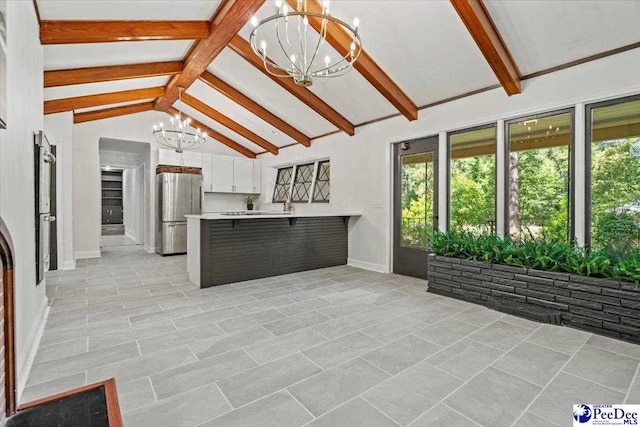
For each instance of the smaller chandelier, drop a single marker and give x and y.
(302, 53)
(179, 137)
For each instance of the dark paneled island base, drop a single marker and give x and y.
(235, 250)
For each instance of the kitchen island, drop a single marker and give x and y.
(238, 246)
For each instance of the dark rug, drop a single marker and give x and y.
(85, 409)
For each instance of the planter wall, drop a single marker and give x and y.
(602, 306)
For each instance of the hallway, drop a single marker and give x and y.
(332, 347)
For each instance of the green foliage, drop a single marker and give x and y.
(616, 231)
(539, 254)
(249, 200)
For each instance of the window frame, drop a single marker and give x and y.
(294, 171)
(572, 168)
(316, 174)
(495, 170)
(588, 119)
(311, 183)
(275, 186)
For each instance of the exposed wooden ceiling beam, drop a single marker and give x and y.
(216, 135)
(68, 32)
(225, 121)
(253, 107)
(229, 18)
(124, 110)
(110, 73)
(243, 48)
(87, 101)
(366, 66)
(478, 21)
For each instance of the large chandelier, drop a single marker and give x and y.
(300, 52)
(179, 137)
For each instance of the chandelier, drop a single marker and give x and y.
(179, 137)
(300, 52)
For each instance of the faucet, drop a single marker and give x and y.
(286, 205)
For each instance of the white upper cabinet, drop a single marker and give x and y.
(193, 159)
(257, 176)
(222, 174)
(207, 172)
(242, 175)
(171, 158)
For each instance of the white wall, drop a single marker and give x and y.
(221, 202)
(24, 118)
(360, 165)
(58, 128)
(86, 173)
(128, 201)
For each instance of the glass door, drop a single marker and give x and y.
(415, 204)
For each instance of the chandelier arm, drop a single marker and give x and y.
(302, 70)
(267, 64)
(285, 51)
(315, 53)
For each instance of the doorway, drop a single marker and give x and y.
(124, 167)
(415, 204)
(8, 380)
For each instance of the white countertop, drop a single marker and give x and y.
(266, 215)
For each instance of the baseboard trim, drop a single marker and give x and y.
(378, 268)
(130, 236)
(69, 265)
(87, 254)
(150, 250)
(25, 362)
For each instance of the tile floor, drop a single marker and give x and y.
(107, 241)
(334, 347)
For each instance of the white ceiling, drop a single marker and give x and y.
(103, 87)
(234, 70)
(543, 34)
(111, 144)
(60, 57)
(421, 44)
(119, 104)
(237, 113)
(196, 10)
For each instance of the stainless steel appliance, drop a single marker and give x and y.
(43, 161)
(177, 195)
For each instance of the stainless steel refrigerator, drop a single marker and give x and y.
(177, 195)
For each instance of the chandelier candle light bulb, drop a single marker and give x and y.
(298, 51)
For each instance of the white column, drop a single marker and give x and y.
(580, 174)
(443, 181)
(500, 177)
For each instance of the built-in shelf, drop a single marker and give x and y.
(112, 210)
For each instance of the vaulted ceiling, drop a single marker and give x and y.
(105, 58)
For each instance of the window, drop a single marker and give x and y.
(472, 191)
(304, 183)
(283, 185)
(538, 176)
(322, 189)
(613, 150)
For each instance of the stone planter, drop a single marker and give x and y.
(602, 306)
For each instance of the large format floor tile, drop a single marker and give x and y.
(337, 347)
(493, 398)
(406, 396)
(556, 401)
(322, 393)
